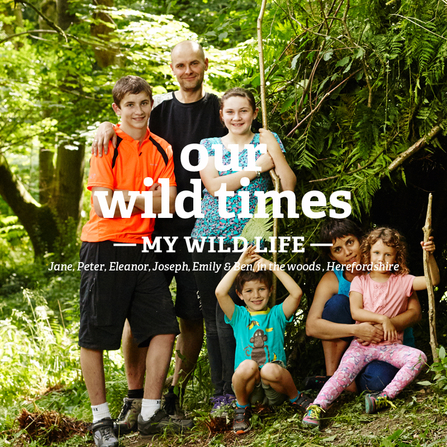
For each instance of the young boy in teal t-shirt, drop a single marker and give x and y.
(260, 373)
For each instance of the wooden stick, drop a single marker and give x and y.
(416, 146)
(431, 297)
(273, 175)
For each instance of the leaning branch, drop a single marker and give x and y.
(317, 107)
(422, 142)
(273, 175)
(11, 36)
(50, 23)
(431, 295)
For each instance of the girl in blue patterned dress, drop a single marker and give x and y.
(238, 110)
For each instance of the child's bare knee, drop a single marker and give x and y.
(272, 372)
(247, 368)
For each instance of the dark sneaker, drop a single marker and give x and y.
(302, 403)
(160, 422)
(172, 406)
(221, 405)
(126, 422)
(103, 434)
(241, 423)
(377, 401)
(315, 382)
(312, 416)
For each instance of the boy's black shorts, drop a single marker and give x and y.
(119, 282)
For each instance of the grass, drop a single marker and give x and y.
(419, 420)
(40, 372)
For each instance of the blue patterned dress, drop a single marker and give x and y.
(227, 228)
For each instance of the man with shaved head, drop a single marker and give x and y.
(185, 116)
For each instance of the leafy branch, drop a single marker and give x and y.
(49, 22)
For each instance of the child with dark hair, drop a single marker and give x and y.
(260, 373)
(238, 111)
(107, 297)
(378, 297)
(330, 319)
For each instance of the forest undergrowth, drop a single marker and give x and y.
(43, 399)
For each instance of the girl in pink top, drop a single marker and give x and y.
(379, 296)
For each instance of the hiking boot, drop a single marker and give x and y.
(221, 404)
(103, 434)
(315, 382)
(302, 403)
(312, 416)
(377, 401)
(160, 422)
(126, 422)
(172, 407)
(241, 423)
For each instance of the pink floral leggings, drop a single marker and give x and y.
(409, 361)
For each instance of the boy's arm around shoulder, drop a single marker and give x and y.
(101, 178)
(168, 174)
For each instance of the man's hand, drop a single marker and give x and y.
(367, 333)
(104, 134)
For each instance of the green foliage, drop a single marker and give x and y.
(440, 370)
(55, 87)
(350, 86)
(219, 23)
(339, 95)
(37, 348)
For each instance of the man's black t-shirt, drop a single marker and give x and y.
(182, 124)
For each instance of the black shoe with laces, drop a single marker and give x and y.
(302, 402)
(127, 420)
(172, 406)
(103, 434)
(161, 422)
(315, 382)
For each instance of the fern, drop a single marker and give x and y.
(259, 226)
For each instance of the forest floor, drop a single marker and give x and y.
(419, 419)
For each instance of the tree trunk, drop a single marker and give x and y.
(104, 56)
(46, 175)
(61, 185)
(49, 10)
(10, 28)
(69, 183)
(39, 221)
(64, 18)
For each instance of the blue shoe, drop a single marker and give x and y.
(312, 416)
(377, 401)
(241, 423)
